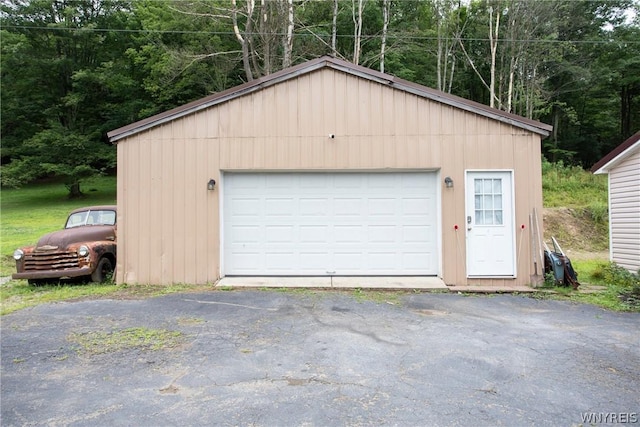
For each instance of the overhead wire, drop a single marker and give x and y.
(368, 36)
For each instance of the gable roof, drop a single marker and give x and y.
(616, 155)
(335, 64)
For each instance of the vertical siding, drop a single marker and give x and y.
(170, 224)
(624, 200)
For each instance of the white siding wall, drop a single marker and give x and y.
(624, 200)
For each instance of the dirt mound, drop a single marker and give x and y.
(578, 234)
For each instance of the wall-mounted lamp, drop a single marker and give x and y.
(448, 182)
(211, 185)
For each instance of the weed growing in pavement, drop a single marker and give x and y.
(379, 297)
(100, 342)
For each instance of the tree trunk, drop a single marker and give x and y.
(243, 42)
(439, 54)
(334, 28)
(265, 35)
(288, 41)
(512, 72)
(626, 101)
(493, 44)
(74, 190)
(357, 21)
(385, 26)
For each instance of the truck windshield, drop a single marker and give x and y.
(99, 217)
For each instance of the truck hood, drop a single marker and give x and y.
(63, 238)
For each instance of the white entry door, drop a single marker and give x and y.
(490, 224)
(330, 224)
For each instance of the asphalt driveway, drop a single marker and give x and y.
(268, 358)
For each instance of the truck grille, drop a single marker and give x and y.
(37, 261)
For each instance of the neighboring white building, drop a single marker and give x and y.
(623, 168)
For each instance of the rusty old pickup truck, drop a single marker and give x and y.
(86, 247)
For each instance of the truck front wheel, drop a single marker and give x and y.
(104, 271)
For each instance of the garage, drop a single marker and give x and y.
(330, 223)
(333, 171)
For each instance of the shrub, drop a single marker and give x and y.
(599, 212)
(628, 284)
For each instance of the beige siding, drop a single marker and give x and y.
(170, 223)
(624, 200)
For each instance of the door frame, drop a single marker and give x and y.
(469, 209)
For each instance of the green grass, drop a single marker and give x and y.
(591, 271)
(145, 339)
(609, 298)
(18, 294)
(573, 187)
(621, 289)
(378, 297)
(29, 212)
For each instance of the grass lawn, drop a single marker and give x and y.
(29, 212)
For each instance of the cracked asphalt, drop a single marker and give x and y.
(268, 358)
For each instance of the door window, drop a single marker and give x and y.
(488, 201)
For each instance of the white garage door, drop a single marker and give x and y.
(319, 224)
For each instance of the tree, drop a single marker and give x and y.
(53, 64)
(585, 81)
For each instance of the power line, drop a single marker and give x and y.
(368, 36)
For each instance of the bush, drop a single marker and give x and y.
(628, 285)
(599, 212)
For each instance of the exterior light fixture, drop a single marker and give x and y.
(448, 182)
(211, 185)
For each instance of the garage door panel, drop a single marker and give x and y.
(245, 234)
(347, 207)
(415, 206)
(381, 181)
(382, 261)
(381, 206)
(274, 182)
(279, 233)
(279, 206)
(313, 234)
(349, 233)
(311, 181)
(416, 233)
(317, 206)
(330, 223)
(349, 262)
(314, 261)
(413, 260)
(244, 262)
(382, 234)
(245, 207)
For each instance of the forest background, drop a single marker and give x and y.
(72, 70)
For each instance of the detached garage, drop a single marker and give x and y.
(329, 169)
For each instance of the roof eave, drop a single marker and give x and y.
(598, 169)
